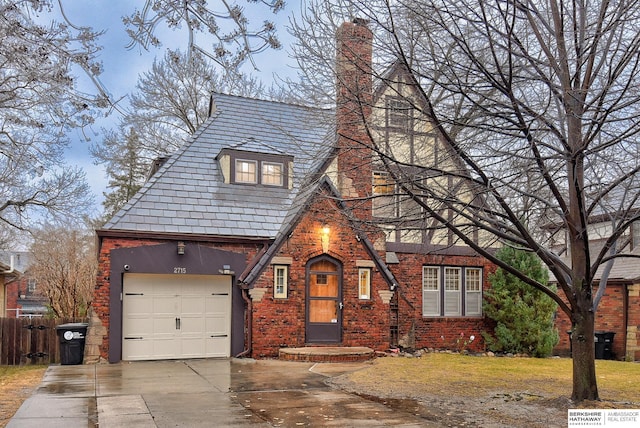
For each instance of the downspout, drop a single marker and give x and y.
(248, 323)
(625, 318)
(247, 299)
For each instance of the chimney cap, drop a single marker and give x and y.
(361, 21)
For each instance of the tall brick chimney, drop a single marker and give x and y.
(353, 107)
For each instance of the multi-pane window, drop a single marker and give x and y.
(384, 198)
(473, 289)
(31, 285)
(452, 295)
(398, 113)
(262, 169)
(451, 291)
(635, 235)
(280, 274)
(272, 174)
(431, 291)
(364, 283)
(246, 171)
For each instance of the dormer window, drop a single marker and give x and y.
(246, 171)
(272, 174)
(261, 169)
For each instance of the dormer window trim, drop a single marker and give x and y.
(256, 169)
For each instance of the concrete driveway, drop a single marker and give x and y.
(202, 393)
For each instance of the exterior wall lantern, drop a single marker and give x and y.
(324, 237)
(180, 248)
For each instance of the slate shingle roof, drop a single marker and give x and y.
(188, 194)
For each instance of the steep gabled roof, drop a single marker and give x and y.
(188, 196)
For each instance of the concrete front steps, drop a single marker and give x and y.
(327, 354)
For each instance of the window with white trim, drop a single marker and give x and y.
(451, 291)
(452, 295)
(364, 284)
(280, 281)
(246, 171)
(31, 285)
(473, 290)
(431, 291)
(272, 174)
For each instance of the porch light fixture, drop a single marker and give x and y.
(180, 248)
(324, 237)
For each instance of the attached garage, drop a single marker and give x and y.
(172, 317)
(166, 304)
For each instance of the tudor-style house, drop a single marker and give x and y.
(277, 226)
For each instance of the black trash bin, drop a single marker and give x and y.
(71, 337)
(604, 345)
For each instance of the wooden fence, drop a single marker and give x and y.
(30, 341)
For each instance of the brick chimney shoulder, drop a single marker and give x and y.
(353, 107)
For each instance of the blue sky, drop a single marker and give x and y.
(122, 67)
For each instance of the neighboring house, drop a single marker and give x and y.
(21, 298)
(8, 274)
(619, 309)
(261, 233)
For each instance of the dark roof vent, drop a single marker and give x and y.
(156, 164)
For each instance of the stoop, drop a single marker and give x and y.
(327, 354)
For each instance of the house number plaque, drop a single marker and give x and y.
(179, 270)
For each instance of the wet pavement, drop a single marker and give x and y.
(202, 393)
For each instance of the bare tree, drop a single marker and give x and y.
(65, 268)
(38, 105)
(538, 100)
(171, 100)
(234, 42)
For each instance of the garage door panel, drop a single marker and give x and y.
(192, 306)
(164, 305)
(215, 345)
(176, 316)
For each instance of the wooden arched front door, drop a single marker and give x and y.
(324, 301)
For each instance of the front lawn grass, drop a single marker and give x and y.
(470, 376)
(16, 384)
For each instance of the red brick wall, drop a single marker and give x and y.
(281, 323)
(13, 290)
(633, 321)
(609, 317)
(435, 332)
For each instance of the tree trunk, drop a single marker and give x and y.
(583, 351)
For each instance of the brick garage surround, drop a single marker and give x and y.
(437, 332)
(102, 289)
(280, 323)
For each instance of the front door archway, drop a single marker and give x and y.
(324, 300)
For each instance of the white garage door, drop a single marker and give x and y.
(176, 316)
